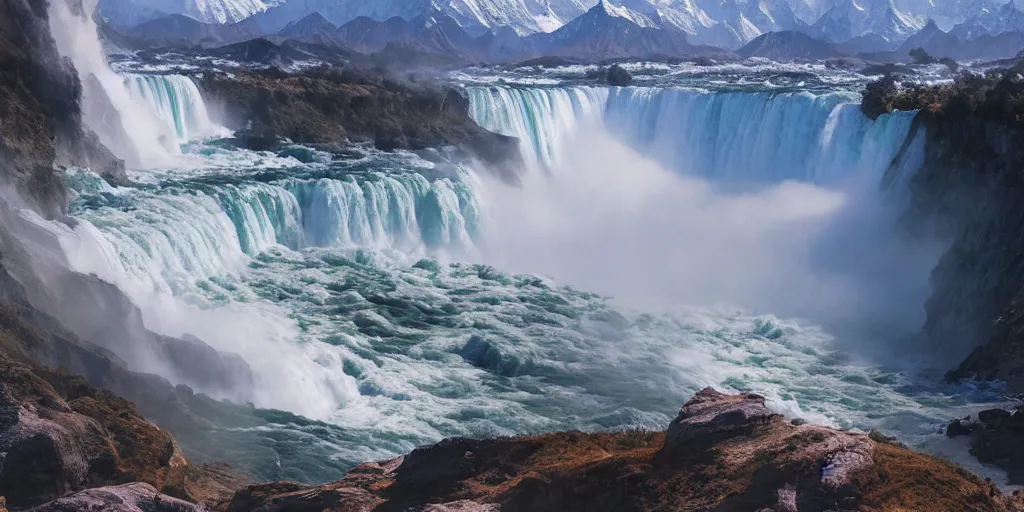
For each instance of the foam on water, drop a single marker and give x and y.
(359, 289)
(177, 101)
(761, 137)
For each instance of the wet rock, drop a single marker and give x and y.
(993, 416)
(133, 497)
(711, 415)
(998, 439)
(958, 427)
(257, 138)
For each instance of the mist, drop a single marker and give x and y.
(125, 125)
(616, 222)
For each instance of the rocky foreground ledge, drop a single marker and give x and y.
(722, 452)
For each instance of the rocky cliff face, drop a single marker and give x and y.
(41, 118)
(722, 452)
(333, 109)
(969, 191)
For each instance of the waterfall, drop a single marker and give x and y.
(542, 119)
(746, 137)
(170, 239)
(176, 101)
(126, 126)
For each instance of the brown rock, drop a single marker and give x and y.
(134, 497)
(711, 415)
(749, 460)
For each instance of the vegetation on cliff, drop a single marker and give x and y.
(997, 96)
(722, 452)
(968, 191)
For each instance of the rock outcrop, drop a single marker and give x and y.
(723, 452)
(997, 438)
(331, 109)
(40, 116)
(968, 192)
(58, 435)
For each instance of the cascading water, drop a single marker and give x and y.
(171, 239)
(373, 269)
(125, 126)
(541, 118)
(176, 100)
(746, 137)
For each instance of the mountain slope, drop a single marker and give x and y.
(129, 13)
(787, 46)
(181, 30)
(607, 32)
(852, 19)
(309, 27)
(991, 22)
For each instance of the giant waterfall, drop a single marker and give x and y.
(761, 137)
(396, 300)
(176, 101)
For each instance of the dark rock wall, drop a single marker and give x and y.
(969, 191)
(333, 110)
(40, 116)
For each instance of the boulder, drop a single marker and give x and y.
(711, 415)
(133, 497)
(993, 416)
(60, 435)
(959, 427)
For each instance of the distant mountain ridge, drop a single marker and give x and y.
(723, 23)
(611, 29)
(788, 46)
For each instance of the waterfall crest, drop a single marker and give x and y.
(746, 137)
(125, 126)
(176, 101)
(189, 235)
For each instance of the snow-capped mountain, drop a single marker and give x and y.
(991, 21)
(730, 24)
(852, 19)
(476, 16)
(738, 22)
(612, 30)
(129, 13)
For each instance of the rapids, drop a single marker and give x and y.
(386, 300)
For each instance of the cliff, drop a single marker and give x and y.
(969, 192)
(722, 452)
(333, 108)
(40, 116)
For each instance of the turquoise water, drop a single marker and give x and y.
(362, 290)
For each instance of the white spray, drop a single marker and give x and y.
(126, 126)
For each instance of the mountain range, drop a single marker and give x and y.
(501, 29)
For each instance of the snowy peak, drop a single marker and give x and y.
(850, 19)
(129, 13)
(991, 21)
(310, 26)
